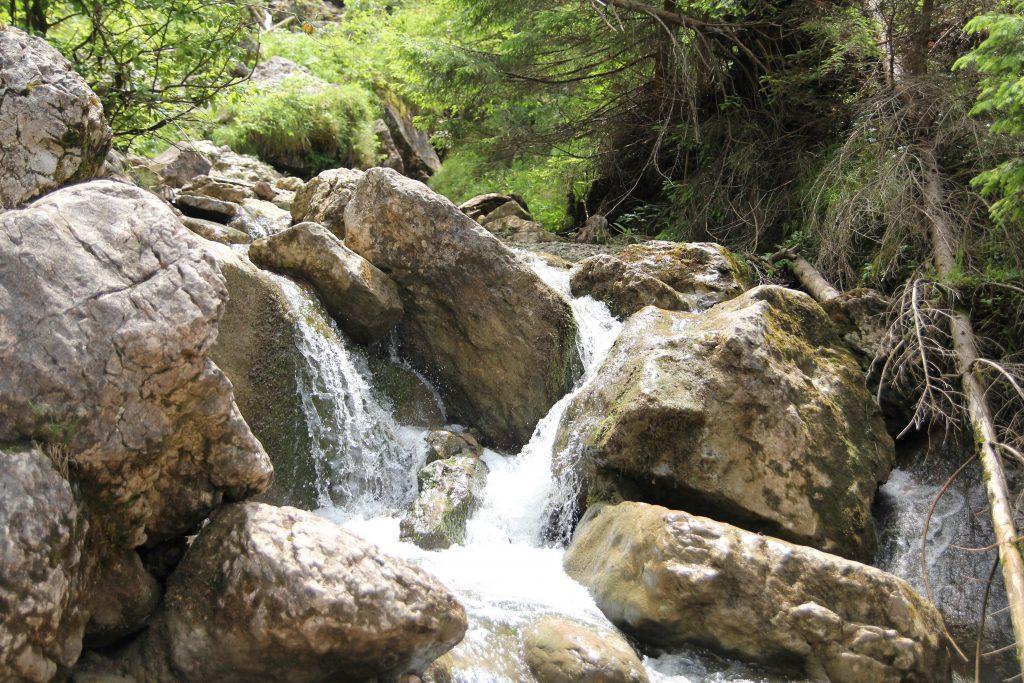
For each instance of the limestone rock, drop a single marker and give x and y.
(324, 198)
(259, 218)
(207, 208)
(518, 230)
(560, 650)
(52, 129)
(751, 412)
(278, 594)
(701, 274)
(258, 348)
(499, 342)
(272, 72)
(450, 492)
(179, 164)
(418, 155)
(443, 443)
(481, 205)
(670, 578)
(215, 232)
(110, 313)
(860, 315)
(42, 567)
(510, 209)
(624, 289)
(362, 299)
(226, 190)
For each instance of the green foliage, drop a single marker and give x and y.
(301, 126)
(542, 181)
(153, 63)
(1000, 60)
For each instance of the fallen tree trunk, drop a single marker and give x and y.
(965, 347)
(808, 276)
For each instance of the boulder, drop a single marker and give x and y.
(751, 412)
(560, 650)
(481, 205)
(258, 348)
(450, 492)
(270, 73)
(418, 155)
(701, 274)
(259, 218)
(110, 310)
(215, 232)
(179, 164)
(52, 129)
(360, 297)
(43, 566)
(672, 579)
(499, 343)
(279, 594)
(623, 288)
(121, 600)
(510, 209)
(207, 208)
(324, 198)
(227, 190)
(443, 443)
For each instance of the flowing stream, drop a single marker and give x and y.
(506, 574)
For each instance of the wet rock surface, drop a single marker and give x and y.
(499, 342)
(278, 594)
(450, 492)
(52, 129)
(751, 412)
(670, 578)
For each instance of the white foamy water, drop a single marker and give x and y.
(505, 575)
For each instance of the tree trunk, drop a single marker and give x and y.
(808, 276)
(965, 346)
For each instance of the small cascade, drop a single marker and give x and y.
(365, 462)
(959, 521)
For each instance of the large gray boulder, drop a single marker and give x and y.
(110, 310)
(324, 198)
(752, 412)
(278, 594)
(671, 579)
(43, 566)
(677, 276)
(419, 159)
(499, 342)
(360, 297)
(52, 129)
(451, 490)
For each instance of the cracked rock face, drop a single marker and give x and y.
(670, 578)
(52, 129)
(42, 568)
(279, 594)
(324, 198)
(751, 412)
(109, 312)
(500, 343)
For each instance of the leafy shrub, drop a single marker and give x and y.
(301, 126)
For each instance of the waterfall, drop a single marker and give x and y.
(364, 461)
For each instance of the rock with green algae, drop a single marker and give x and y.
(258, 349)
(412, 402)
(676, 276)
(450, 492)
(671, 579)
(751, 412)
(499, 343)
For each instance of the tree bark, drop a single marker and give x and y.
(808, 276)
(965, 347)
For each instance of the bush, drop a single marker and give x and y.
(301, 126)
